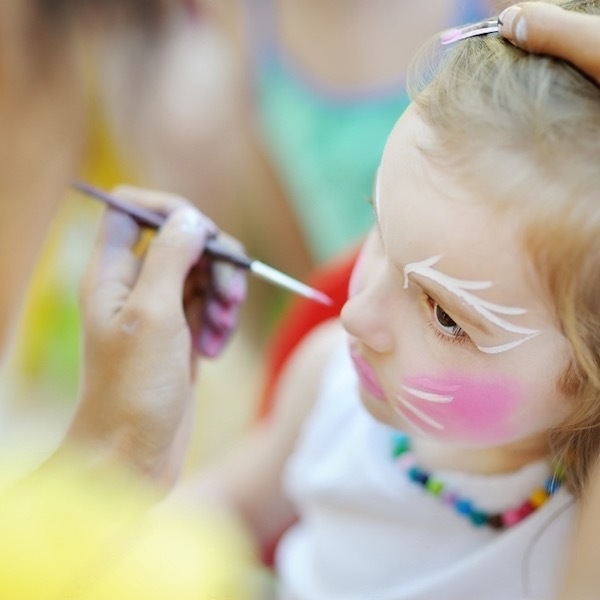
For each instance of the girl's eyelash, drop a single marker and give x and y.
(454, 339)
(460, 337)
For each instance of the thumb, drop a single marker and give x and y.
(113, 268)
(172, 253)
(548, 29)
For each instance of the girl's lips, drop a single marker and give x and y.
(366, 375)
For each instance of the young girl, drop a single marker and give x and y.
(453, 427)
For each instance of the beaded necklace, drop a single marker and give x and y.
(463, 506)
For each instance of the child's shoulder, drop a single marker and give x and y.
(300, 380)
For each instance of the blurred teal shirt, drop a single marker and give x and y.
(325, 144)
(326, 151)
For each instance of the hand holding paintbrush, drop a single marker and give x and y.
(213, 247)
(145, 318)
(223, 257)
(215, 286)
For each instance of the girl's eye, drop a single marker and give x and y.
(445, 323)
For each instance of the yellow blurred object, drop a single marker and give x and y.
(47, 356)
(67, 535)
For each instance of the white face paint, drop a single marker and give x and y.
(377, 190)
(488, 310)
(404, 402)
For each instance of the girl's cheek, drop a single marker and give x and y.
(460, 408)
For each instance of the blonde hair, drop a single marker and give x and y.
(524, 130)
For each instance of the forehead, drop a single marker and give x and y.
(425, 209)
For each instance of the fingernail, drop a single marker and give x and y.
(189, 220)
(222, 318)
(238, 288)
(120, 229)
(210, 343)
(512, 24)
(230, 284)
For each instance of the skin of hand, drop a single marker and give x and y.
(547, 29)
(146, 316)
(214, 293)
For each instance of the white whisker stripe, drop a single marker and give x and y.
(428, 396)
(408, 418)
(505, 347)
(419, 413)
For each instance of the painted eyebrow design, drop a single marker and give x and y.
(450, 303)
(462, 289)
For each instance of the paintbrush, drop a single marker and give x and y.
(213, 248)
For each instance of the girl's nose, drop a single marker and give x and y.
(366, 317)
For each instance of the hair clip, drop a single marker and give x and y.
(462, 33)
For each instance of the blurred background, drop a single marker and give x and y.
(271, 116)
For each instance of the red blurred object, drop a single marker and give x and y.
(302, 315)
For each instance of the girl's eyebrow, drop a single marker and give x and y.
(438, 292)
(460, 289)
(435, 291)
(449, 302)
(456, 294)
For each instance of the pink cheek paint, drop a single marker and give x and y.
(366, 376)
(460, 408)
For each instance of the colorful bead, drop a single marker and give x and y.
(406, 461)
(495, 521)
(417, 475)
(515, 515)
(449, 497)
(478, 518)
(538, 497)
(463, 506)
(434, 486)
(510, 517)
(552, 485)
(526, 509)
(401, 444)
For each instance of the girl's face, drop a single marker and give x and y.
(451, 337)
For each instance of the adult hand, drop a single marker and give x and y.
(548, 29)
(145, 317)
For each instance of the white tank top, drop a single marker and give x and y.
(367, 533)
